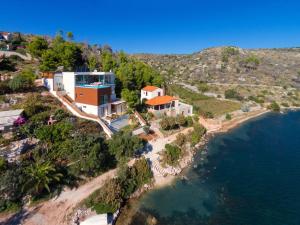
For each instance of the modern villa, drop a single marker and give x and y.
(92, 92)
(160, 104)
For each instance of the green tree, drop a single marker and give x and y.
(61, 53)
(181, 120)
(274, 107)
(143, 172)
(108, 62)
(232, 94)
(6, 64)
(172, 154)
(50, 60)
(37, 46)
(123, 145)
(70, 36)
(22, 81)
(131, 97)
(92, 63)
(107, 199)
(40, 176)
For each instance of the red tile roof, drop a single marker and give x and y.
(150, 88)
(160, 100)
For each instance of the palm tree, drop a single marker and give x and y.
(40, 177)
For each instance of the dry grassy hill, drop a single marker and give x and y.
(231, 65)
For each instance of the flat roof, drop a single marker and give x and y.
(7, 118)
(92, 86)
(87, 73)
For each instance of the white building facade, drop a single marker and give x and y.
(92, 92)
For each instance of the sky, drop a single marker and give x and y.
(160, 26)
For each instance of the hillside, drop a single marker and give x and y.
(231, 65)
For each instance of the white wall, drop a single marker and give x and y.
(48, 83)
(58, 82)
(90, 109)
(151, 94)
(69, 84)
(104, 110)
(185, 109)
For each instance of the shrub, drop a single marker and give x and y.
(107, 199)
(197, 134)
(228, 116)
(171, 155)
(284, 104)
(181, 120)
(60, 114)
(168, 123)
(233, 94)
(189, 121)
(40, 118)
(123, 145)
(274, 107)
(180, 139)
(203, 87)
(227, 52)
(146, 129)
(207, 114)
(22, 81)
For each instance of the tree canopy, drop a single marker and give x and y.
(37, 46)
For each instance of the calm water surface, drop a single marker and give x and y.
(249, 176)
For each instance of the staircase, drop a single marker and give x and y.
(71, 106)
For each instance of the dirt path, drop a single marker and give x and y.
(55, 211)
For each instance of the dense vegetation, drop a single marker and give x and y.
(114, 192)
(67, 150)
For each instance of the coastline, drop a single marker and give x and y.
(211, 130)
(131, 207)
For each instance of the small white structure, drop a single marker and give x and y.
(7, 119)
(5, 36)
(149, 92)
(160, 104)
(96, 220)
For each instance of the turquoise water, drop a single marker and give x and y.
(249, 176)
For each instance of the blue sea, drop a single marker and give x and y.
(248, 176)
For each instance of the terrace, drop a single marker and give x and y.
(94, 81)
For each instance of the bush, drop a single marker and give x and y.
(23, 81)
(189, 121)
(107, 199)
(168, 123)
(228, 116)
(181, 120)
(197, 134)
(227, 52)
(123, 145)
(40, 118)
(207, 114)
(274, 107)
(203, 87)
(146, 129)
(233, 94)
(172, 154)
(284, 104)
(32, 105)
(60, 114)
(180, 139)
